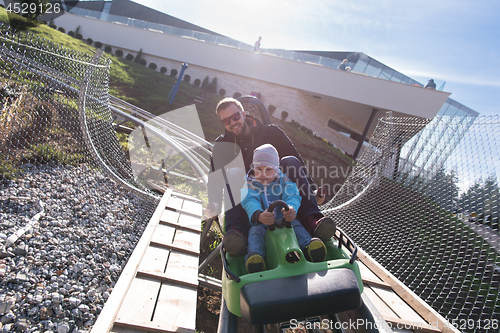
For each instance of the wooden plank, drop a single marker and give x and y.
(183, 211)
(186, 197)
(194, 208)
(401, 308)
(366, 272)
(108, 314)
(140, 301)
(187, 240)
(396, 330)
(175, 203)
(175, 248)
(162, 277)
(124, 329)
(177, 306)
(376, 283)
(170, 216)
(155, 260)
(164, 233)
(410, 325)
(183, 265)
(379, 304)
(179, 226)
(423, 309)
(190, 221)
(152, 327)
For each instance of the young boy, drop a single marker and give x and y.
(265, 184)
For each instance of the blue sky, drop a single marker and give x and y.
(454, 41)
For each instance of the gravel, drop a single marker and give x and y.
(66, 233)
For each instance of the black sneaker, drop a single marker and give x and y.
(325, 229)
(255, 263)
(315, 251)
(234, 243)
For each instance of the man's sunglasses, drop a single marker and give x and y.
(235, 117)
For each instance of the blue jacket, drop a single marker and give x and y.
(255, 198)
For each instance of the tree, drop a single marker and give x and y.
(205, 82)
(484, 200)
(442, 189)
(35, 9)
(138, 56)
(213, 87)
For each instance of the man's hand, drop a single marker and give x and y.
(211, 210)
(320, 195)
(266, 218)
(290, 214)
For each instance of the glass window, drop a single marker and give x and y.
(386, 73)
(105, 11)
(452, 108)
(397, 77)
(406, 79)
(374, 68)
(360, 66)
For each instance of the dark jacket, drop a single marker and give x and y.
(227, 147)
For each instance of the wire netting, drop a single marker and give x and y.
(71, 207)
(55, 110)
(423, 200)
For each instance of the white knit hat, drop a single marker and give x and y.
(266, 155)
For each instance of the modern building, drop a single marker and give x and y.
(342, 107)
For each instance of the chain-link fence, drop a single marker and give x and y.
(71, 208)
(423, 200)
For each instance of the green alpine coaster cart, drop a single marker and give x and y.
(291, 287)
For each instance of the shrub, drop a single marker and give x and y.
(98, 45)
(61, 29)
(71, 33)
(90, 41)
(119, 53)
(209, 87)
(271, 108)
(153, 66)
(173, 72)
(284, 115)
(142, 62)
(138, 56)
(53, 26)
(187, 78)
(163, 69)
(205, 82)
(197, 83)
(129, 57)
(236, 95)
(108, 49)
(78, 35)
(213, 87)
(222, 92)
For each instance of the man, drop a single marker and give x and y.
(343, 65)
(256, 46)
(431, 84)
(231, 160)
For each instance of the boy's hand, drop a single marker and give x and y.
(290, 214)
(266, 218)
